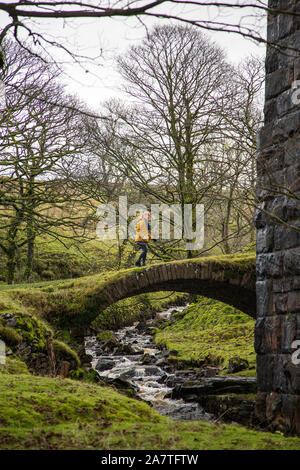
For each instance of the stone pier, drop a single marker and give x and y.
(278, 244)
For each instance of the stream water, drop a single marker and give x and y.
(144, 367)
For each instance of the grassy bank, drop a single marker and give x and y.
(210, 333)
(45, 413)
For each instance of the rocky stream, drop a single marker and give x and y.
(130, 360)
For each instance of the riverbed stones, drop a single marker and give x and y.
(147, 374)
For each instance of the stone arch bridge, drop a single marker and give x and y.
(230, 280)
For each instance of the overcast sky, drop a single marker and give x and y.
(108, 37)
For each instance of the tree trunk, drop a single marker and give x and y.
(30, 254)
(11, 266)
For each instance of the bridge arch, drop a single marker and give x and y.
(229, 286)
(225, 279)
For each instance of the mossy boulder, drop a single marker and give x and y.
(106, 335)
(16, 327)
(64, 353)
(30, 338)
(32, 330)
(237, 364)
(10, 336)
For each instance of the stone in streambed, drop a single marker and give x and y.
(148, 359)
(125, 349)
(153, 370)
(215, 386)
(231, 408)
(236, 364)
(104, 364)
(162, 363)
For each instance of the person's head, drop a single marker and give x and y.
(146, 215)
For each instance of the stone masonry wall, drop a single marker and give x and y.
(278, 245)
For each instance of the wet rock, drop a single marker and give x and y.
(121, 384)
(142, 327)
(210, 372)
(215, 386)
(85, 358)
(125, 349)
(230, 408)
(163, 379)
(236, 364)
(162, 363)
(104, 364)
(153, 384)
(148, 359)
(165, 353)
(12, 322)
(185, 411)
(153, 370)
(7, 316)
(173, 352)
(127, 374)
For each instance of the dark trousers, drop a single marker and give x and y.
(143, 255)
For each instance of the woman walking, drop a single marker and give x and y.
(142, 237)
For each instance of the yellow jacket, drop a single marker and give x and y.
(142, 232)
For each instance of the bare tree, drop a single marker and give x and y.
(237, 199)
(36, 139)
(185, 96)
(25, 14)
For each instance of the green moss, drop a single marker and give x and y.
(33, 331)
(64, 336)
(65, 353)
(209, 333)
(14, 366)
(28, 328)
(10, 336)
(243, 373)
(106, 336)
(9, 303)
(45, 413)
(78, 374)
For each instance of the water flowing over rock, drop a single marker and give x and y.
(136, 363)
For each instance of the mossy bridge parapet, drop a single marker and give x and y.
(230, 280)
